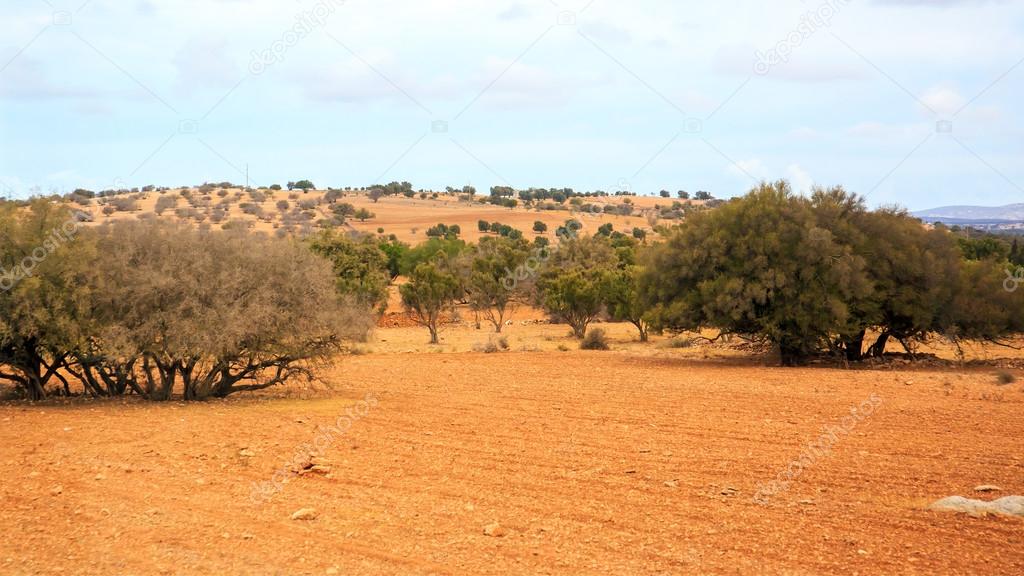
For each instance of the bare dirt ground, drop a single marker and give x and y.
(590, 462)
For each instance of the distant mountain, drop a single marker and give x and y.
(967, 214)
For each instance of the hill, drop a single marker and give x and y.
(285, 212)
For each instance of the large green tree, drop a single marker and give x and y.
(496, 270)
(573, 284)
(44, 260)
(360, 265)
(759, 266)
(430, 290)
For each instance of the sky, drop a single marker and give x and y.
(907, 102)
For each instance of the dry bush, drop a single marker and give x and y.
(594, 340)
(213, 312)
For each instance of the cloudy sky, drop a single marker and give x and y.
(905, 101)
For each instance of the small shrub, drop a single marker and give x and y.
(677, 342)
(1005, 378)
(594, 340)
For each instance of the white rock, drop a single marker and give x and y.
(305, 514)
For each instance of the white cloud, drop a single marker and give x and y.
(799, 178)
(943, 101)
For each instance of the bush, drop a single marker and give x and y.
(1005, 378)
(594, 340)
(677, 342)
(124, 204)
(492, 345)
(164, 203)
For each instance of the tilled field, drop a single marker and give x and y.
(524, 463)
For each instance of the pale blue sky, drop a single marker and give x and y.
(646, 94)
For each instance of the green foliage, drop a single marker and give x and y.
(758, 265)
(815, 275)
(573, 285)
(360, 266)
(623, 299)
(493, 282)
(986, 248)
(540, 227)
(395, 252)
(363, 215)
(44, 261)
(431, 289)
(444, 231)
(304, 185)
(443, 250)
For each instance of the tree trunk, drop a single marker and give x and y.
(642, 327)
(579, 330)
(877, 349)
(791, 354)
(854, 347)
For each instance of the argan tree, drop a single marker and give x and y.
(495, 274)
(360, 266)
(573, 284)
(760, 266)
(43, 263)
(431, 289)
(218, 311)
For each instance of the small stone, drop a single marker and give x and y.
(315, 469)
(671, 484)
(807, 502)
(987, 488)
(305, 514)
(469, 507)
(729, 491)
(56, 490)
(246, 453)
(99, 477)
(862, 552)
(331, 570)
(494, 530)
